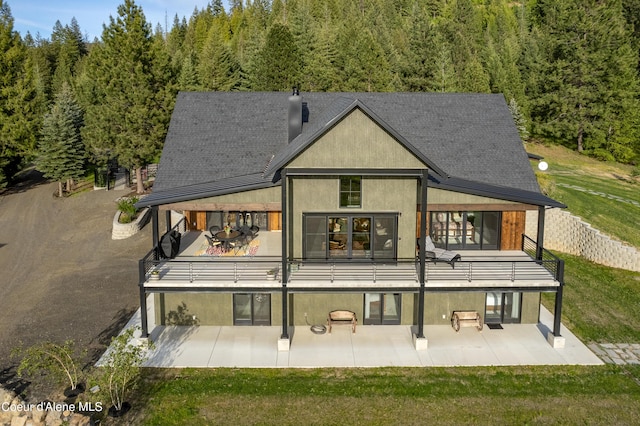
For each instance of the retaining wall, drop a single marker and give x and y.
(570, 234)
(121, 231)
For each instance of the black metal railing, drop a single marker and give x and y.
(543, 257)
(196, 270)
(402, 271)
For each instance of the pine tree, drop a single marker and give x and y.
(217, 69)
(19, 102)
(128, 92)
(61, 154)
(278, 64)
(589, 93)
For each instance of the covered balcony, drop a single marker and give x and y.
(257, 266)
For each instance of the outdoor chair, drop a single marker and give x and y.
(213, 241)
(214, 230)
(440, 255)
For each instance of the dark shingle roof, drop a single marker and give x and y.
(232, 137)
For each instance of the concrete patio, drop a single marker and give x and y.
(370, 346)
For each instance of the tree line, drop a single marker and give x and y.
(569, 70)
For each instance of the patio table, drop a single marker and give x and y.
(227, 239)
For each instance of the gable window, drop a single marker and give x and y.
(350, 191)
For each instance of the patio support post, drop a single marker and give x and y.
(283, 271)
(421, 250)
(143, 300)
(557, 311)
(540, 237)
(167, 216)
(155, 228)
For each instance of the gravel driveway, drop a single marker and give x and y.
(61, 275)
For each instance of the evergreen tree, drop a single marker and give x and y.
(61, 152)
(188, 76)
(361, 62)
(217, 68)
(19, 102)
(70, 47)
(278, 63)
(129, 94)
(590, 77)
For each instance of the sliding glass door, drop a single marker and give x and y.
(252, 309)
(382, 308)
(466, 230)
(503, 308)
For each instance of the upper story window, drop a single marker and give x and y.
(350, 191)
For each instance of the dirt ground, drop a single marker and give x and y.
(61, 275)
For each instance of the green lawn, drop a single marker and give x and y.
(568, 170)
(489, 395)
(600, 305)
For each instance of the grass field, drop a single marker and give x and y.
(390, 396)
(600, 305)
(569, 170)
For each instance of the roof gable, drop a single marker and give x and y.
(225, 142)
(350, 135)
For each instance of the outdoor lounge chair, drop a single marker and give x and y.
(440, 255)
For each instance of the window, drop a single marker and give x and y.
(466, 230)
(361, 236)
(350, 191)
(252, 309)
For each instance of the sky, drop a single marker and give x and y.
(39, 16)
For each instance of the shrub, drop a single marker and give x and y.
(59, 361)
(128, 209)
(120, 372)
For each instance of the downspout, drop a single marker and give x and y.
(284, 274)
(422, 250)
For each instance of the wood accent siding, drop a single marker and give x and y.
(196, 220)
(275, 221)
(513, 223)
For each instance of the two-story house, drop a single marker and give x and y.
(339, 196)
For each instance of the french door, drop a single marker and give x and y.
(355, 236)
(252, 309)
(503, 308)
(382, 308)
